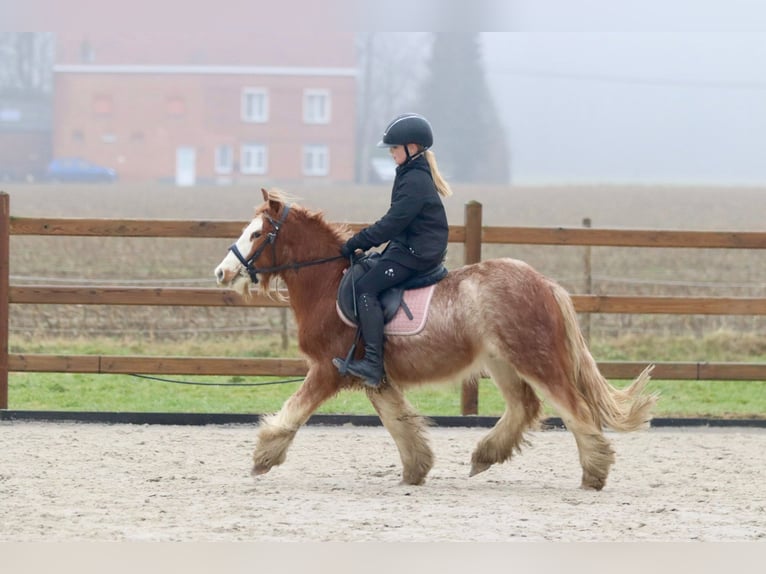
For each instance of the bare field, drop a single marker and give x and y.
(189, 262)
(653, 207)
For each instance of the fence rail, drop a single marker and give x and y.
(472, 235)
(286, 367)
(201, 297)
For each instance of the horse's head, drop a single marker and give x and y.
(255, 250)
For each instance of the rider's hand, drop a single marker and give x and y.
(346, 250)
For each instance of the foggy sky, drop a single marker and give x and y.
(683, 107)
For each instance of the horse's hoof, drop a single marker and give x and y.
(412, 481)
(592, 481)
(479, 467)
(260, 469)
(595, 485)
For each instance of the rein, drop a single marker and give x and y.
(271, 238)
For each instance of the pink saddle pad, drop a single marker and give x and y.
(418, 301)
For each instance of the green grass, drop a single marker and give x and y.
(77, 392)
(81, 392)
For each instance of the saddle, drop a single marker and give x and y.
(392, 299)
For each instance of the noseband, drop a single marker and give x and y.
(271, 239)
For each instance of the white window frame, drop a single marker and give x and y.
(248, 112)
(253, 151)
(317, 106)
(316, 160)
(224, 159)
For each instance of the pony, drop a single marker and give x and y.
(498, 317)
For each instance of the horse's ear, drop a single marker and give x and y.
(274, 204)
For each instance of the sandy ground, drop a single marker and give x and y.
(93, 482)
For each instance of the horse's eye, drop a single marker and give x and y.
(255, 235)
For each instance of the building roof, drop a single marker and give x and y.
(180, 47)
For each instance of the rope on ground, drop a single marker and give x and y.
(211, 384)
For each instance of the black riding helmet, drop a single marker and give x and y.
(408, 128)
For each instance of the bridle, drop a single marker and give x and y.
(248, 264)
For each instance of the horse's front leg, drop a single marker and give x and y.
(407, 428)
(276, 432)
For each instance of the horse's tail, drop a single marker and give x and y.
(621, 410)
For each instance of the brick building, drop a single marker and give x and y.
(169, 106)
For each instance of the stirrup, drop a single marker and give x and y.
(342, 364)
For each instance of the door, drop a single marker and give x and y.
(186, 166)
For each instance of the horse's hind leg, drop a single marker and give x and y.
(276, 432)
(596, 453)
(522, 410)
(407, 428)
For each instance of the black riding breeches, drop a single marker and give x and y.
(384, 275)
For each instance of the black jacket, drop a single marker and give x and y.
(415, 224)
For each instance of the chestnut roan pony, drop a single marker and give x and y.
(499, 317)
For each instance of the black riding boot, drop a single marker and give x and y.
(370, 367)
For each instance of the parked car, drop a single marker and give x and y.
(76, 169)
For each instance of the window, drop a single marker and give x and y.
(103, 105)
(87, 55)
(175, 106)
(10, 115)
(224, 159)
(316, 160)
(316, 106)
(255, 105)
(253, 159)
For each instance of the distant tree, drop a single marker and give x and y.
(26, 63)
(470, 141)
(391, 70)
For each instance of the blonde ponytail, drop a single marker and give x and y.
(441, 185)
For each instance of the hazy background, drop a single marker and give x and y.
(588, 91)
(585, 107)
(631, 107)
(612, 91)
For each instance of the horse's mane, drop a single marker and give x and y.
(340, 231)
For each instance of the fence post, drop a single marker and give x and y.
(469, 402)
(5, 242)
(285, 333)
(587, 260)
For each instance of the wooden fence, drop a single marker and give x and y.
(472, 235)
